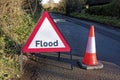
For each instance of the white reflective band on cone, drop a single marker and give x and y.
(91, 46)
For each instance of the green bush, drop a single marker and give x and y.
(111, 9)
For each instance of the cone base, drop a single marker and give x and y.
(88, 67)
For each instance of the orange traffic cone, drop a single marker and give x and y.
(90, 60)
(90, 54)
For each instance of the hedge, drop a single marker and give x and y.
(111, 9)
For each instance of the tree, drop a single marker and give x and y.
(74, 5)
(62, 7)
(51, 1)
(34, 6)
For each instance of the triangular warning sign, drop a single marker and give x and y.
(46, 37)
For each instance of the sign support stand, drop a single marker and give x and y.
(71, 60)
(58, 55)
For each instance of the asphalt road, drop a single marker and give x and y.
(76, 33)
(46, 66)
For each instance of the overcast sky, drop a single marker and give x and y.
(45, 1)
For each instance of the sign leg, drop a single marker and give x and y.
(58, 55)
(71, 60)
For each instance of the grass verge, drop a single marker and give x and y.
(8, 69)
(113, 21)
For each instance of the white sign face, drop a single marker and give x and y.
(46, 37)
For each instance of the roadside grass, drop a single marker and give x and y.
(11, 41)
(15, 27)
(9, 59)
(9, 68)
(113, 21)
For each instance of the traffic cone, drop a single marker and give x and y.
(90, 54)
(90, 59)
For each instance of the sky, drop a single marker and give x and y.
(45, 1)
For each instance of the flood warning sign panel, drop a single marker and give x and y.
(46, 37)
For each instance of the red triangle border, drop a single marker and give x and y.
(25, 48)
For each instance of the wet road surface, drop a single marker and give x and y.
(76, 33)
